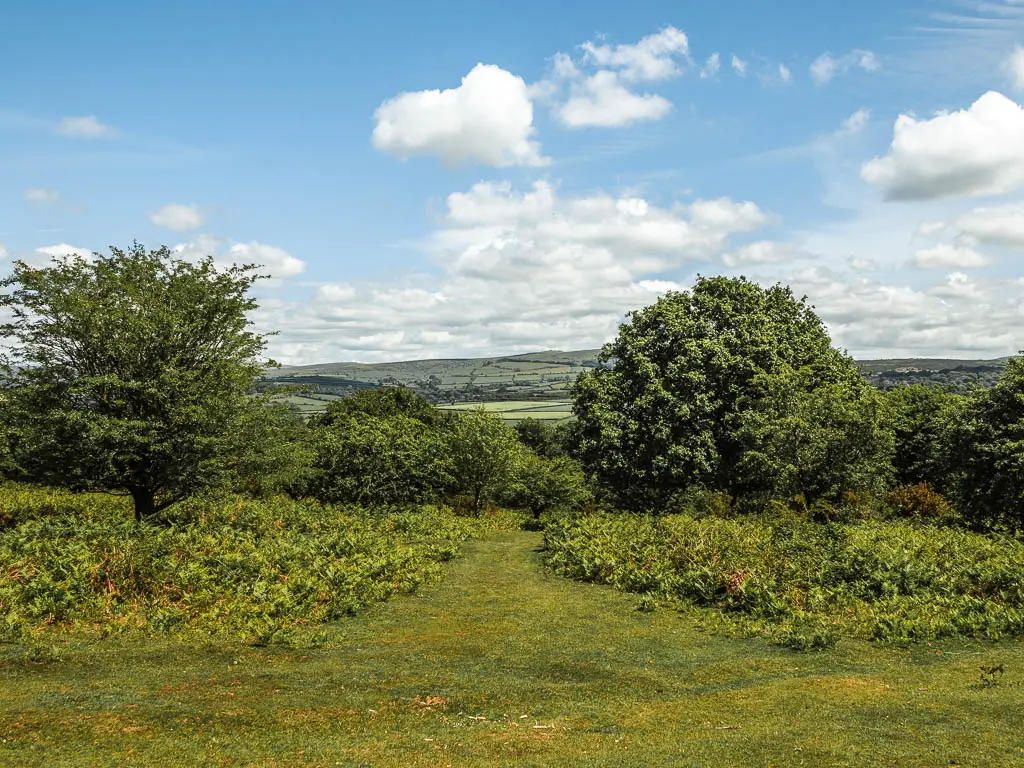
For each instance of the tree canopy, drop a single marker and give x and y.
(661, 412)
(129, 372)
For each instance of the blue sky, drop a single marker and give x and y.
(409, 203)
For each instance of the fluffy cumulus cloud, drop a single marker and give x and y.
(88, 127)
(950, 256)
(487, 119)
(521, 270)
(1014, 67)
(976, 151)
(276, 262)
(1000, 226)
(739, 66)
(826, 67)
(600, 89)
(180, 218)
(655, 57)
(958, 315)
(602, 101)
(762, 252)
(46, 254)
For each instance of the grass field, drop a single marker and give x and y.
(504, 664)
(517, 410)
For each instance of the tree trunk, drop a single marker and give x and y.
(145, 503)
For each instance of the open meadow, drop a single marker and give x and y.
(501, 663)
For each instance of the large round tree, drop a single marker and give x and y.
(130, 372)
(664, 410)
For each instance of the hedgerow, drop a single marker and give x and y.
(259, 569)
(801, 583)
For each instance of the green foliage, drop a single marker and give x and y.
(130, 372)
(544, 485)
(378, 461)
(485, 455)
(661, 412)
(819, 443)
(918, 416)
(984, 453)
(383, 402)
(803, 583)
(919, 502)
(542, 438)
(233, 565)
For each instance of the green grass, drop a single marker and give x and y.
(517, 410)
(503, 663)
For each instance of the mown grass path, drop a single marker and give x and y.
(505, 664)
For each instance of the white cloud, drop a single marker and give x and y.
(977, 151)
(957, 317)
(43, 256)
(826, 66)
(950, 256)
(739, 66)
(784, 74)
(601, 85)
(1003, 225)
(602, 101)
(88, 127)
(711, 66)
(1014, 67)
(277, 262)
(762, 252)
(521, 270)
(180, 218)
(488, 119)
(856, 122)
(3, 252)
(41, 196)
(929, 230)
(655, 57)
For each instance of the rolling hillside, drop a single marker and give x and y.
(536, 383)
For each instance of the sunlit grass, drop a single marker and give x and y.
(505, 663)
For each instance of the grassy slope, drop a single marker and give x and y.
(446, 678)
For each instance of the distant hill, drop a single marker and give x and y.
(530, 376)
(546, 376)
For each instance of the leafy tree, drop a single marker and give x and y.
(543, 484)
(818, 443)
(540, 437)
(378, 461)
(660, 413)
(984, 452)
(919, 413)
(272, 451)
(383, 402)
(130, 372)
(485, 454)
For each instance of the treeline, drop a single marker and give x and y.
(734, 392)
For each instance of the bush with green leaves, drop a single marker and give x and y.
(222, 565)
(919, 415)
(485, 456)
(791, 579)
(130, 372)
(378, 461)
(662, 411)
(819, 442)
(983, 453)
(544, 485)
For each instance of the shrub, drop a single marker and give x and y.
(920, 502)
(788, 578)
(228, 565)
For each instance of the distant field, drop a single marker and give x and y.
(537, 384)
(517, 410)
